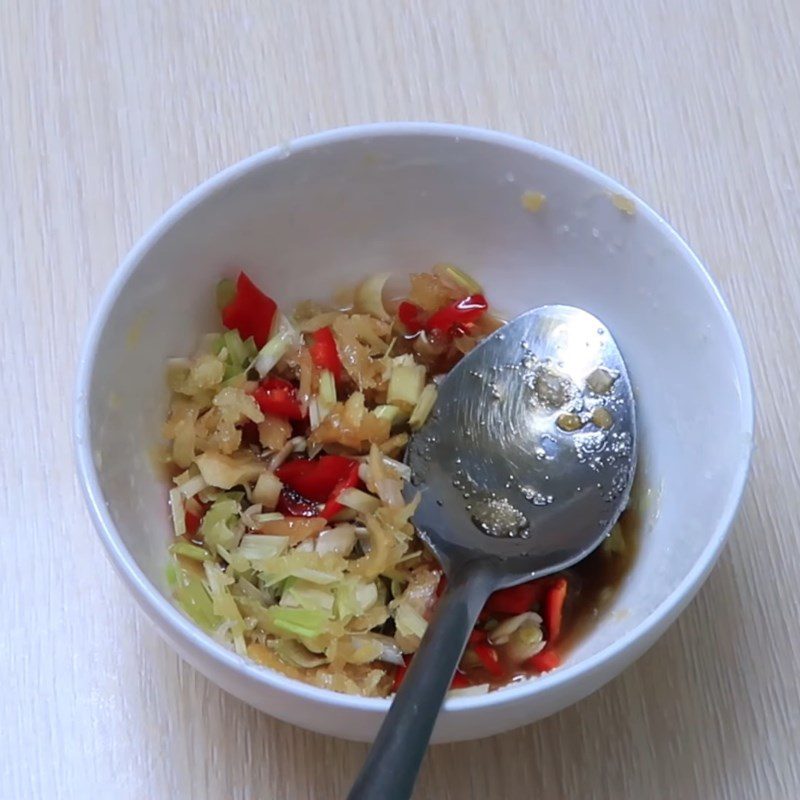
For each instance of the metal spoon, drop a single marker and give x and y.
(521, 475)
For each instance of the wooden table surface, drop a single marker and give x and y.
(110, 110)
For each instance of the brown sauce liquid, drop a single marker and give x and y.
(592, 586)
(595, 581)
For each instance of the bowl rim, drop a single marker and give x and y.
(179, 627)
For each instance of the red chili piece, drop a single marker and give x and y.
(315, 479)
(192, 522)
(293, 504)
(278, 397)
(477, 636)
(400, 673)
(489, 658)
(517, 599)
(461, 313)
(554, 608)
(543, 661)
(349, 481)
(250, 312)
(409, 314)
(324, 352)
(460, 681)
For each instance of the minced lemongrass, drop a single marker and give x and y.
(365, 473)
(249, 513)
(281, 324)
(469, 691)
(393, 414)
(222, 601)
(306, 595)
(281, 456)
(178, 511)
(293, 652)
(181, 478)
(315, 575)
(314, 417)
(390, 652)
(298, 621)
(402, 470)
(225, 472)
(366, 595)
(193, 485)
(237, 353)
(339, 540)
(503, 632)
(327, 390)
(234, 346)
(408, 621)
(215, 527)
(423, 408)
(354, 597)
(267, 490)
(237, 562)
(260, 547)
(189, 550)
(368, 298)
(272, 352)
(270, 516)
(359, 501)
(192, 596)
(406, 385)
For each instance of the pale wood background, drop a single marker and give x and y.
(110, 110)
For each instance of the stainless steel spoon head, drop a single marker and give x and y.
(530, 452)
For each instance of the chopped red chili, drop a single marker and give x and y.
(400, 673)
(543, 661)
(316, 478)
(489, 659)
(410, 315)
(349, 481)
(477, 636)
(278, 397)
(324, 352)
(554, 608)
(460, 681)
(192, 522)
(293, 504)
(457, 315)
(517, 599)
(250, 312)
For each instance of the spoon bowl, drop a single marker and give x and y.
(530, 452)
(523, 467)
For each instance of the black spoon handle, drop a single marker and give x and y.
(394, 760)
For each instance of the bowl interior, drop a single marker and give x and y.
(305, 221)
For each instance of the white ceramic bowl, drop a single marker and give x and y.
(305, 218)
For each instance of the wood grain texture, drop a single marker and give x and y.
(110, 110)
